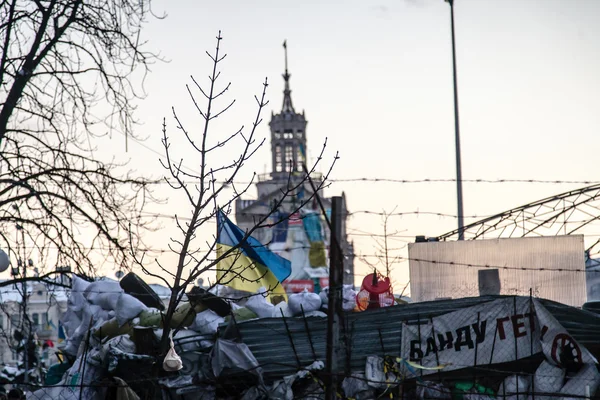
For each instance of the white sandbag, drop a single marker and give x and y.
(95, 289)
(349, 298)
(70, 321)
(514, 387)
(433, 390)
(376, 375)
(587, 377)
(355, 386)
(319, 314)
(259, 304)
(304, 301)
(324, 296)
(548, 378)
(108, 301)
(128, 307)
(76, 299)
(78, 285)
(281, 309)
(206, 322)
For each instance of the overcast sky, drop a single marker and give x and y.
(375, 78)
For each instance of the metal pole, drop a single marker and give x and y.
(335, 298)
(459, 195)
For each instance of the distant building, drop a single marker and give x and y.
(304, 237)
(45, 306)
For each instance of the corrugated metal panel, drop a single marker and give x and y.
(374, 332)
(523, 264)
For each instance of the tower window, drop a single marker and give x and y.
(299, 159)
(278, 160)
(289, 157)
(287, 134)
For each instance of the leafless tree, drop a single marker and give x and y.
(214, 186)
(386, 253)
(70, 71)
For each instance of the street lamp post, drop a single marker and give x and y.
(459, 195)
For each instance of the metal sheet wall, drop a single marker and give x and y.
(374, 332)
(552, 267)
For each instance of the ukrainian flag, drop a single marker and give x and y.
(251, 265)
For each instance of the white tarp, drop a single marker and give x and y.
(500, 331)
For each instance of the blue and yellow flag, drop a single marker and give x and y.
(251, 265)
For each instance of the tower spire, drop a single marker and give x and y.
(287, 93)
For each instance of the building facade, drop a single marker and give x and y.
(45, 307)
(302, 236)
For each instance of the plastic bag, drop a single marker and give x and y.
(433, 390)
(514, 387)
(548, 378)
(304, 301)
(172, 361)
(128, 307)
(227, 354)
(206, 322)
(259, 304)
(355, 386)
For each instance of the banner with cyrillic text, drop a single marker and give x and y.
(500, 331)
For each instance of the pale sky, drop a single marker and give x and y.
(375, 78)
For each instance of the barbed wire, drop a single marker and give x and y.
(424, 180)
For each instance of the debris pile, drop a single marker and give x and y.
(220, 349)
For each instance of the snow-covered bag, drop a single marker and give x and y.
(259, 304)
(206, 322)
(128, 307)
(281, 309)
(172, 361)
(304, 301)
(548, 378)
(514, 387)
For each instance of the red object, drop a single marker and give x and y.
(323, 282)
(295, 219)
(375, 292)
(297, 286)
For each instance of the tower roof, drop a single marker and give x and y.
(287, 107)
